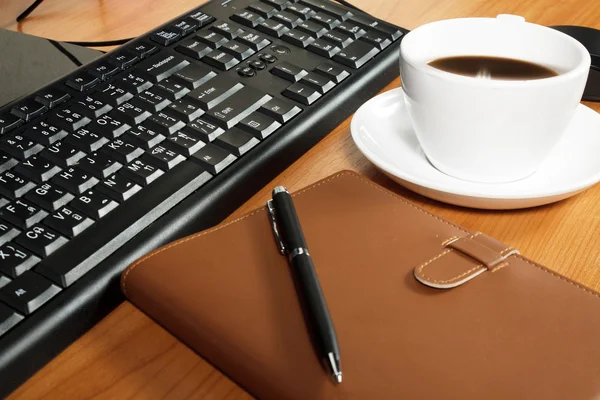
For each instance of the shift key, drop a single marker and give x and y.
(215, 91)
(237, 107)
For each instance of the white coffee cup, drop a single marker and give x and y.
(488, 130)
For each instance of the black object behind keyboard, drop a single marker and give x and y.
(162, 137)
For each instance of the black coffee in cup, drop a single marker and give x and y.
(493, 67)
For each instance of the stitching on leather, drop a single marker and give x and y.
(494, 269)
(450, 240)
(421, 267)
(545, 269)
(183, 240)
(505, 250)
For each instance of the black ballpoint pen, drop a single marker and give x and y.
(290, 240)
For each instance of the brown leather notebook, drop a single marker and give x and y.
(423, 308)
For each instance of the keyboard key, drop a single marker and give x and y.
(161, 66)
(133, 82)
(14, 260)
(75, 180)
(288, 19)
(212, 39)
(22, 214)
(118, 187)
(99, 164)
(51, 97)
(356, 54)
(86, 140)
(44, 133)
(257, 65)
(111, 94)
(338, 38)
(220, 59)
(28, 109)
(194, 75)
(273, 28)
(110, 125)
(91, 107)
(215, 91)
(215, 159)
(302, 93)
(368, 22)
(323, 48)
(185, 142)
(247, 18)
(326, 20)
(236, 141)
(201, 18)
(194, 48)
(238, 50)
(259, 125)
(125, 59)
(289, 72)
(7, 232)
(185, 110)
(123, 150)
(143, 49)
(319, 82)
(298, 38)
(62, 154)
(8, 318)
(262, 9)
(13, 185)
(237, 107)
(8, 122)
(163, 157)
(246, 72)
(104, 70)
(94, 204)
(141, 172)
(49, 196)
(6, 162)
(277, 4)
(37, 169)
(226, 29)
(68, 222)
(144, 137)
(41, 240)
(173, 89)
(164, 123)
(254, 40)
(329, 7)
(166, 36)
(131, 114)
(333, 72)
(185, 26)
(206, 131)
(350, 29)
(301, 10)
(28, 292)
(280, 110)
(312, 28)
(268, 58)
(152, 100)
(82, 81)
(376, 39)
(20, 147)
(69, 119)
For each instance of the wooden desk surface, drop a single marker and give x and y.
(127, 356)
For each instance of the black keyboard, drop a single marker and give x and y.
(160, 138)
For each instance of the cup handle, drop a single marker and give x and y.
(510, 18)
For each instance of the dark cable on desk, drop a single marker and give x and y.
(118, 42)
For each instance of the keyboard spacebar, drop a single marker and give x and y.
(103, 238)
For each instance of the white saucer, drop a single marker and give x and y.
(382, 130)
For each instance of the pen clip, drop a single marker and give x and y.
(271, 211)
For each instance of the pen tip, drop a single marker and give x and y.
(338, 377)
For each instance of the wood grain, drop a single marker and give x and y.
(127, 356)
